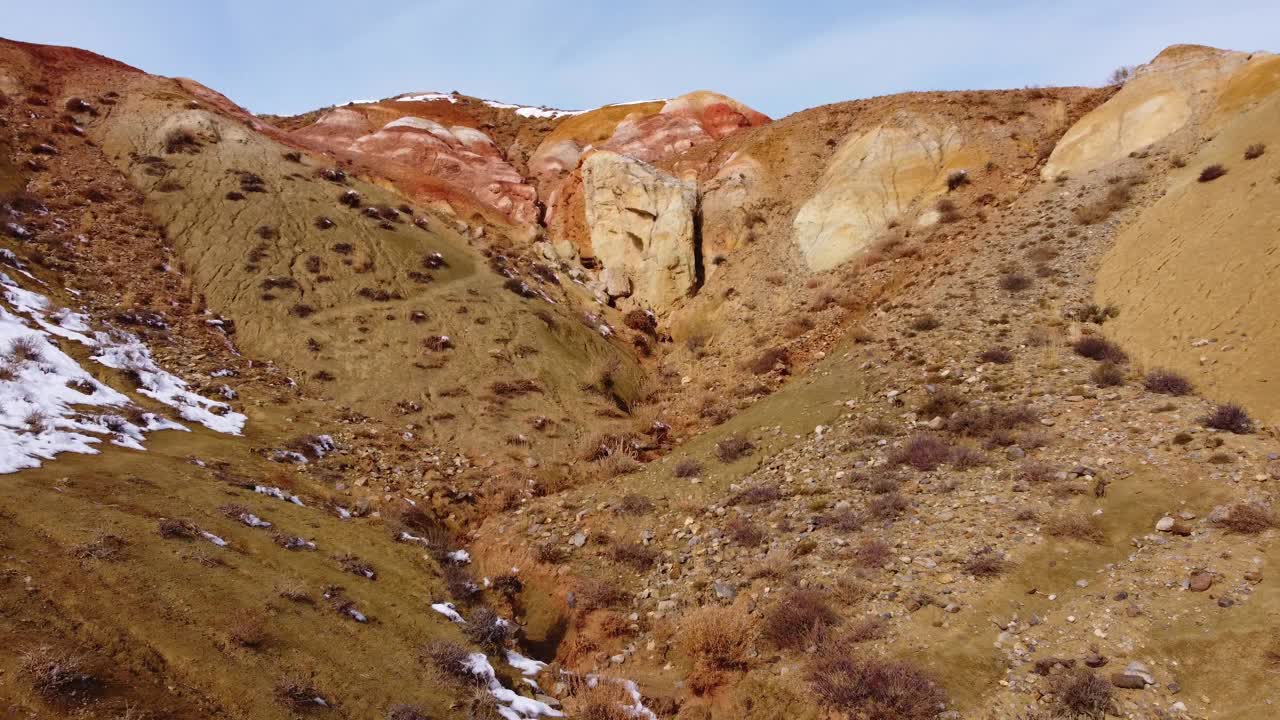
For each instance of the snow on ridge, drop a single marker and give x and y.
(44, 392)
(427, 97)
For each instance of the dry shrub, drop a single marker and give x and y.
(943, 402)
(297, 692)
(957, 178)
(1229, 417)
(1211, 172)
(181, 140)
(171, 529)
(247, 629)
(603, 700)
(487, 629)
(864, 630)
(996, 355)
(407, 712)
(718, 637)
(947, 211)
(594, 594)
(888, 506)
(1083, 694)
(513, 388)
(797, 326)
(58, 675)
(744, 532)
(1254, 151)
(925, 322)
(874, 688)
(985, 563)
(1099, 348)
(1167, 382)
(1078, 527)
(1034, 471)
(104, 546)
(768, 359)
(872, 554)
(765, 696)
(1095, 212)
(633, 504)
(756, 495)
(450, 660)
(923, 452)
(1248, 518)
(1014, 282)
(686, 468)
(798, 619)
(733, 448)
(638, 556)
(1107, 374)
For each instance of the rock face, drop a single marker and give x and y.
(1192, 276)
(1183, 85)
(875, 177)
(641, 225)
(420, 155)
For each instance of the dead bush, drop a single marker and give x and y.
(633, 504)
(181, 140)
(1230, 418)
(1254, 151)
(1211, 172)
(1117, 197)
(297, 692)
(1014, 282)
(594, 594)
(925, 323)
(996, 355)
(58, 675)
(104, 546)
(450, 660)
(942, 402)
(686, 468)
(923, 452)
(1167, 382)
(719, 637)
(1077, 527)
(1083, 694)
(798, 619)
(1248, 518)
(247, 629)
(744, 532)
(407, 712)
(487, 629)
(1107, 374)
(888, 506)
(734, 448)
(638, 556)
(869, 687)
(756, 495)
(957, 179)
(175, 529)
(1099, 348)
(985, 563)
(872, 554)
(768, 360)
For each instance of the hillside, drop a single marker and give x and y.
(930, 405)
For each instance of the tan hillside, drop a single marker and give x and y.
(929, 406)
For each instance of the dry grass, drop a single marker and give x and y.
(595, 594)
(297, 692)
(638, 556)
(58, 675)
(868, 687)
(1107, 374)
(104, 546)
(177, 529)
(744, 532)
(923, 452)
(1248, 518)
(720, 638)
(247, 629)
(449, 660)
(1082, 694)
(1117, 197)
(1076, 527)
(687, 468)
(798, 619)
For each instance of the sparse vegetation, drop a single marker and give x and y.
(868, 687)
(1167, 382)
(922, 452)
(1211, 172)
(734, 447)
(1230, 418)
(58, 675)
(798, 619)
(1077, 527)
(687, 468)
(1107, 374)
(1099, 348)
(1248, 519)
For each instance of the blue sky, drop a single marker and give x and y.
(779, 57)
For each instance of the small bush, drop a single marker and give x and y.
(1254, 151)
(868, 687)
(1107, 374)
(942, 402)
(1166, 382)
(957, 179)
(798, 619)
(486, 628)
(633, 504)
(744, 532)
(594, 594)
(450, 659)
(297, 692)
(1212, 172)
(1034, 471)
(756, 495)
(888, 506)
(1248, 518)
(996, 355)
(1014, 282)
(719, 638)
(1229, 417)
(104, 546)
(1076, 527)
(58, 675)
(734, 448)
(947, 211)
(640, 557)
(180, 140)
(984, 563)
(407, 712)
(922, 452)
(925, 323)
(1099, 349)
(247, 629)
(687, 468)
(171, 529)
(1083, 694)
(768, 360)
(873, 554)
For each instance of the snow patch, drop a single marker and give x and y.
(513, 705)
(279, 494)
(447, 609)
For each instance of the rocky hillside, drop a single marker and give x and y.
(933, 405)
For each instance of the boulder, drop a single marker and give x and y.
(876, 176)
(641, 227)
